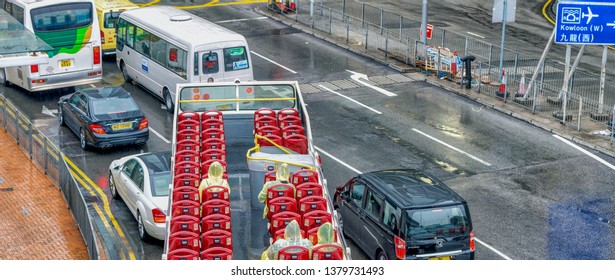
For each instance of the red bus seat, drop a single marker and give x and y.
(312, 203)
(297, 143)
(187, 155)
(216, 238)
(304, 176)
(188, 115)
(213, 154)
(188, 124)
(281, 220)
(328, 252)
(216, 206)
(213, 143)
(315, 219)
(280, 189)
(187, 167)
(282, 113)
(188, 144)
(290, 120)
(212, 114)
(281, 204)
(274, 138)
(309, 189)
(265, 121)
(215, 192)
(217, 253)
(182, 254)
(185, 207)
(269, 130)
(313, 235)
(185, 223)
(214, 133)
(293, 129)
(280, 234)
(212, 123)
(191, 180)
(216, 221)
(264, 112)
(191, 134)
(186, 193)
(184, 240)
(294, 253)
(270, 176)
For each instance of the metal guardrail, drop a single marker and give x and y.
(49, 158)
(382, 33)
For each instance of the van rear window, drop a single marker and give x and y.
(111, 19)
(235, 59)
(429, 223)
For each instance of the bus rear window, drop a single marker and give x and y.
(62, 17)
(235, 59)
(111, 19)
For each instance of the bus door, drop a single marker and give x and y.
(210, 66)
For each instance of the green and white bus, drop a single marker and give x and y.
(71, 28)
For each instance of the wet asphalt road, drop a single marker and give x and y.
(536, 198)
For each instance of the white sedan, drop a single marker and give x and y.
(142, 181)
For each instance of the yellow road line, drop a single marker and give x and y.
(105, 200)
(106, 223)
(82, 183)
(148, 4)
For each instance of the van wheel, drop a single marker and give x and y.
(3, 79)
(167, 100)
(381, 256)
(127, 78)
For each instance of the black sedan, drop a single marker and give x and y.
(103, 117)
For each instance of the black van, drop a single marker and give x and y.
(405, 214)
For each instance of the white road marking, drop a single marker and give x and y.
(370, 108)
(585, 152)
(159, 135)
(456, 149)
(359, 172)
(338, 160)
(286, 68)
(492, 249)
(474, 34)
(242, 19)
(356, 76)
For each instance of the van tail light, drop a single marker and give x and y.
(144, 123)
(34, 68)
(400, 248)
(472, 244)
(159, 216)
(97, 128)
(97, 55)
(102, 37)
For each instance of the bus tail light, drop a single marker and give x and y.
(144, 123)
(102, 37)
(472, 244)
(97, 128)
(97, 55)
(34, 68)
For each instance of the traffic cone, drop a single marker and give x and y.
(522, 88)
(502, 90)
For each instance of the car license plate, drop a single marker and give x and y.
(121, 126)
(66, 63)
(445, 258)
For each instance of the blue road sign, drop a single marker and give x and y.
(586, 23)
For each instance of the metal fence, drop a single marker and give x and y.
(384, 33)
(50, 159)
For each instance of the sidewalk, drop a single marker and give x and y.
(35, 223)
(487, 98)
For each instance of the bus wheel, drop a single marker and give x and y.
(125, 72)
(3, 79)
(167, 100)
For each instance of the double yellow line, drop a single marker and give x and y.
(105, 214)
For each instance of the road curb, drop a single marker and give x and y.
(430, 80)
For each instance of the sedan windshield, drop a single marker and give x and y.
(160, 184)
(430, 223)
(113, 108)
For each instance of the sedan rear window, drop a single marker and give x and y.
(160, 184)
(112, 108)
(429, 223)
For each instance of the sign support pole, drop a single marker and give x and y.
(602, 79)
(503, 36)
